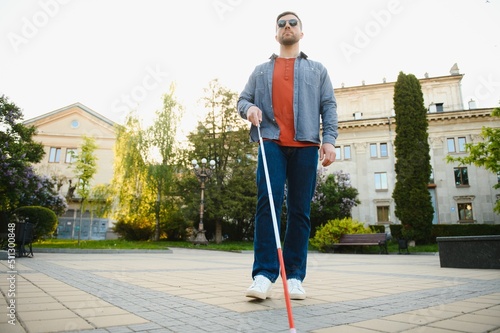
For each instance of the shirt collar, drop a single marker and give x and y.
(301, 55)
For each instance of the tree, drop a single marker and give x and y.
(133, 200)
(85, 169)
(20, 185)
(484, 154)
(144, 174)
(241, 194)
(161, 142)
(223, 137)
(411, 195)
(333, 199)
(99, 203)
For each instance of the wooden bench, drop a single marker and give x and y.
(379, 239)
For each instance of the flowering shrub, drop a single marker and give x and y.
(19, 184)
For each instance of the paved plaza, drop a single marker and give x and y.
(191, 290)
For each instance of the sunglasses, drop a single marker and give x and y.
(292, 22)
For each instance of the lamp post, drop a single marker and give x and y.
(202, 173)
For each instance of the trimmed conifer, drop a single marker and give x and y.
(411, 194)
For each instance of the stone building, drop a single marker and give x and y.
(61, 132)
(365, 150)
(460, 193)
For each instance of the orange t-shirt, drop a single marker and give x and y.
(283, 102)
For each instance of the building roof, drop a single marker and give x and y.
(62, 110)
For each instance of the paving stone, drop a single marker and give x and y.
(203, 291)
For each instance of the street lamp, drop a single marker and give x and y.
(202, 173)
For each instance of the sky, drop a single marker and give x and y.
(118, 56)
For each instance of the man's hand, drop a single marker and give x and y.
(254, 115)
(327, 154)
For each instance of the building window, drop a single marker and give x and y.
(54, 155)
(373, 150)
(378, 150)
(338, 155)
(380, 181)
(498, 177)
(357, 115)
(347, 152)
(70, 155)
(451, 145)
(456, 145)
(382, 214)
(461, 144)
(383, 150)
(343, 153)
(465, 212)
(461, 176)
(436, 107)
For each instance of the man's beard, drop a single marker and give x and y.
(288, 40)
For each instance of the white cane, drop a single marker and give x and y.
(277, 236)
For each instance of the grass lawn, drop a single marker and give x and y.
(164, 245)
(98, 244)
(130, 245)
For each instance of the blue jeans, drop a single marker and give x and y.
(295, 167)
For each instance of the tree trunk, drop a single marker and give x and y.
(157, 217)
(218, 232)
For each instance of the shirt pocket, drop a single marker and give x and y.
(312, 76)
(260, 81)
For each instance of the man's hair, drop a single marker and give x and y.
(289, 13)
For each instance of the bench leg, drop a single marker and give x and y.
(22, 251)
(30, 253)
(383, 249)
(407, 252)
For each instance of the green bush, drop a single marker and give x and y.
(174, 227)
(134, 230)
(45, 219)
(396, 231)
(377, 228)
(447, 230)
(330, 233)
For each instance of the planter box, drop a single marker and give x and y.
(469, 251)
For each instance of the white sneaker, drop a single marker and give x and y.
(295, 289)
(260, 287)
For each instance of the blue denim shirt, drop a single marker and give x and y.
(313, 101)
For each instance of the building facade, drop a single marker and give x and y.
(460, 193)
(61, 132)
(365, 150)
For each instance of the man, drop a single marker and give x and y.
(288, 97)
